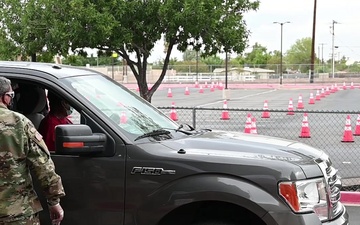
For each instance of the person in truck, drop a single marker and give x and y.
(58, 114)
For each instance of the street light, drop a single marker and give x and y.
(281, 54)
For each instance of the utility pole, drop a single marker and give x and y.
(313, 46)
(333, 48)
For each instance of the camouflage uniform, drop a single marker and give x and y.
(22, 150)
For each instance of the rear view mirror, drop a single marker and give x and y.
(78, 139)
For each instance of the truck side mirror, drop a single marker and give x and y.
(78, 139)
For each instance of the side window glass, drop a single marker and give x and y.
(74, 117)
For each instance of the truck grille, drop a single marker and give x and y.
(334, 183)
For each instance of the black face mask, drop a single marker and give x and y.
(11, 104)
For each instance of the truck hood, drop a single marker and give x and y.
(240, 145)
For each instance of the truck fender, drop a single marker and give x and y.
(207, 187)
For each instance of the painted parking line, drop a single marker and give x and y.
(239, 98)
(350, 198)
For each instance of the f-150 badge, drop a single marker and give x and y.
(151, 171)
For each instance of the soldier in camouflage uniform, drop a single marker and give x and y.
(22, 150)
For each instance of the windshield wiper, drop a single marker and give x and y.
(153, 133)
(188, 132)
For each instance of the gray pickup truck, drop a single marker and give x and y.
(123, 162)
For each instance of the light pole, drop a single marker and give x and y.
(281, 54)
(333, 48)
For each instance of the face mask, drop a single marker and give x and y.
(69, 111)
(11, 104)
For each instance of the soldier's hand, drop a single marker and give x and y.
(56, 214)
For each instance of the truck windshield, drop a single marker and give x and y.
(132, 113)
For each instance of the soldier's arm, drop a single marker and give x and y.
(40, 163)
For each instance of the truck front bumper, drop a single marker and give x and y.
(283, 218)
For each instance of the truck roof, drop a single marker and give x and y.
(55, 70)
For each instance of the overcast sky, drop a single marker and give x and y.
(300, 15)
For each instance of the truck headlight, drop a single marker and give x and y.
(306, 196)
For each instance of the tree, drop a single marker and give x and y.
(300, 53)
(258, 56)
(190, 55)
(8, 50)
(274, 61)
(130, 28)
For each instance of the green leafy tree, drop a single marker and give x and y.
(274, 61)
(190, 55)
(213, 62)
(8, 49)
(258, 56)
(129, 28)
(300, 54)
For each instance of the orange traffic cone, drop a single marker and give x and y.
(248, 124)
(201, 90)
(327, 92)
(225, 112)
(332, 89)
(212, 89)
(266, 113)
(196, 84)
(253, 126)
(322, 94)
(311, 100)
(318, 98)
(357, 128)
(221, 86)
(206, 84)
(290, 107)
(169, 93)
(336, 88)
(352, 85)
(123, 118)
(348, 136)
(344, 86)
(173, 114)
(300, 104)
(305, 130)
(187, 92)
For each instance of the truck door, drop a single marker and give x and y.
(93, 183)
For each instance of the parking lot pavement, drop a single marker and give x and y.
(354, 214)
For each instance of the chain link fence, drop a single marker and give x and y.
(326, 131)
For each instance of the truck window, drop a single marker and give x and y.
(131, 113)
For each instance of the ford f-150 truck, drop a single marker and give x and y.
(123, 162)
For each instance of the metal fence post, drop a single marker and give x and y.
(194, 117)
